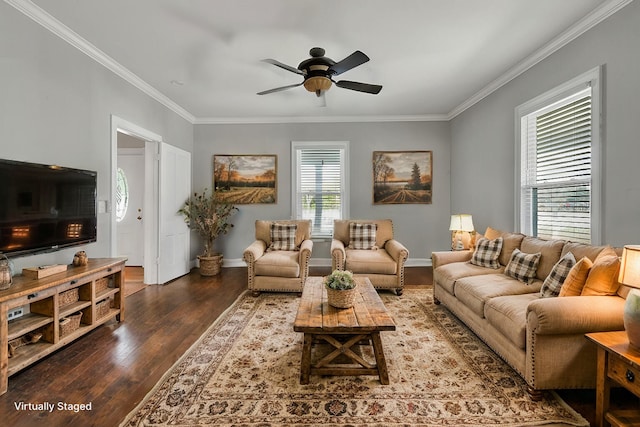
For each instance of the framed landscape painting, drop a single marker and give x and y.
(245, 179)
(402, 177)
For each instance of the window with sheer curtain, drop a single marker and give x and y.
(320, 184)
(559, 173)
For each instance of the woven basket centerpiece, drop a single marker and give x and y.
(341, 289)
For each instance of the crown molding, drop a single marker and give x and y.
(41, 17)
(319, 119)
(596, 16)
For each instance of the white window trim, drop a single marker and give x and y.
(592, 78)
(295, 145)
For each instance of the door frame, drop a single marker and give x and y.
(151, 193)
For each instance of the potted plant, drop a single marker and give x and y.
(341, 288)
(209, 217)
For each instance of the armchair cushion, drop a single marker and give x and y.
(384, 232)
(372, 262)
(278, 263)
(362, 236)
(283, 237)
(263, 230)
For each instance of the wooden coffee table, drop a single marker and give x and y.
(342, 329)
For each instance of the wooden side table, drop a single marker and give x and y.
(618, 363)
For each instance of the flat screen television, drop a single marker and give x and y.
(45, 207)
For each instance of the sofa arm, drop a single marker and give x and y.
(338, 254)
(575, 315)
(397, 251)
(254, 251)
(447, 257)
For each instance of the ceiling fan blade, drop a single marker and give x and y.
(351, 61)
(360, 87)
(283, 66)
(278, 89)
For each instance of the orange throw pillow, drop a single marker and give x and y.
(603, 277)
(576, 278)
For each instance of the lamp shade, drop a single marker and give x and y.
(630, 266)
(461, 222)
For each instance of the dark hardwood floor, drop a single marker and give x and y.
(115, 366)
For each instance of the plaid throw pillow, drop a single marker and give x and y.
(523, 266)
(487, 253)
(283, 237)
(362, 236)
(554, 281)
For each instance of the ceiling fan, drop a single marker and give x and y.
(318, 72)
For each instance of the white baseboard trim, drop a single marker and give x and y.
(326, 262)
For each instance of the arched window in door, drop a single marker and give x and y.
(122, 195)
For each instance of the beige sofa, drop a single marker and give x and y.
(278, 270)
(540, 338)
(384, 265)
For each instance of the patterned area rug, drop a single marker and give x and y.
(245, 371)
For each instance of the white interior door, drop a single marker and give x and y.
(130, 215)
(175, 188)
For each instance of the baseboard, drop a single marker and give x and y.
(326, 262)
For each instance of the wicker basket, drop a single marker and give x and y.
(68, 297)
(341, 298)
(210, 265)
(102, 284)
(70, 324)
(103, 307)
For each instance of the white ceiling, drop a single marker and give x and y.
(434, 58)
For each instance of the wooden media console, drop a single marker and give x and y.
(58, 309)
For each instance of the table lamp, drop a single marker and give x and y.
(630, 276)
(461, 226)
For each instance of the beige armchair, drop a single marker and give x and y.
(278, 270)
(383, 265)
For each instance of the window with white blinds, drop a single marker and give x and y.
(557, 168)
(319, 184)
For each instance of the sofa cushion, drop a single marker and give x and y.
(550, 251)
(366, 261)
(576, 278)
(508, 314)
(475, 291)
(522, 266)
(487, 253)
(603, 276)
(362, 236)
(581, 250)
(283, 237)
(278, 263)
(554, 281)
(446, 275)
(510, 241)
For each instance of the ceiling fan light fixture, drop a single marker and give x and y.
(317, 84)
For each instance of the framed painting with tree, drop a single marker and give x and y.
(402, 177)
(245, 179)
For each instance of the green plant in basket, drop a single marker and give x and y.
(340, 280)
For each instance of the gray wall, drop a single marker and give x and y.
(56, 104)
(55, 107)
(483, 142)
(422, 228)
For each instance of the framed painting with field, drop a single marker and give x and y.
(402, 177)
(245, 179)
